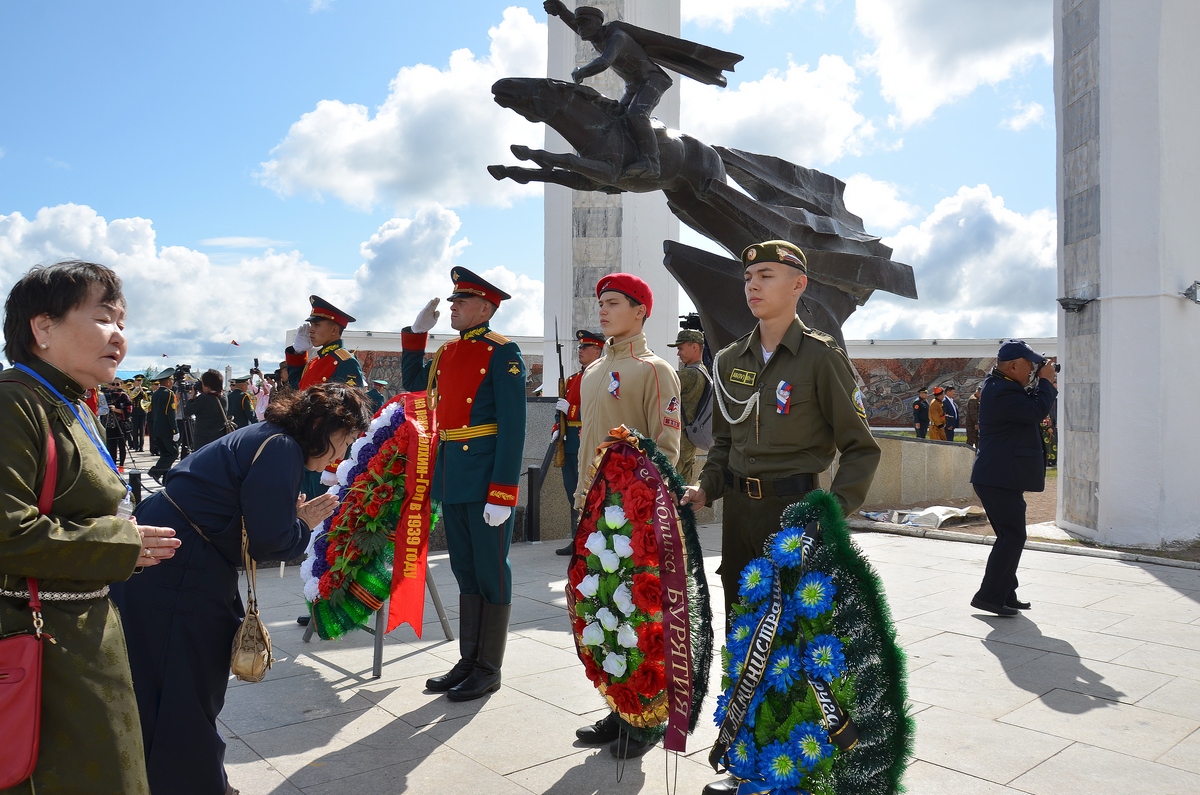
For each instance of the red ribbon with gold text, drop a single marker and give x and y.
(407, 602)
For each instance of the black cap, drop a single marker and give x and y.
(586, 337)
(1018, 349)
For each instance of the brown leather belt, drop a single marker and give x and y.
(756, 488)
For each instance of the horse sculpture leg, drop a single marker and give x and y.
(554, 176)
(601, 172)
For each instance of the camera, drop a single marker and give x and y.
(1057, 366)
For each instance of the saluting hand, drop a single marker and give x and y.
(318, 509)
(427, 318)
(303, 339)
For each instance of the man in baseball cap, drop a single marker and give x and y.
(694, 387)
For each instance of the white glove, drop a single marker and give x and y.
(554, 435)
(562, 405)
(175, 438)
(302, 341)
(496, 515)
(427, 317)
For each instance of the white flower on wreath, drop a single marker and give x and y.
(596, 543)
(343, 471)
(623, 599)
(615, 664)
(615, 516)
(627, 636)
(593, 635)
(609, 561)
(357, 447)
(622, 545)
(588, 586)
(607, 619)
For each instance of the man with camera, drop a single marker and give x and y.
(1016, 396)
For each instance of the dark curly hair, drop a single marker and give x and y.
(313, 416)
(52, 290)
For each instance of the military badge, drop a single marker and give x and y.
(673, 405)
(743, 377)
(788, 257)
(783, 398)
(514, 367)
(751, 254)
(614, 384)
(858, 403)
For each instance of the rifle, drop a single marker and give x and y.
(560, 452)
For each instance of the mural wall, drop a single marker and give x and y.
(890, 385)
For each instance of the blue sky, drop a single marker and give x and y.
(229, 158)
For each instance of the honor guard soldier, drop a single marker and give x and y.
(476, 387)
(241, 404)
(591, 346)
(786, 400)
(375, 393)
(164, 425)
(920, 409)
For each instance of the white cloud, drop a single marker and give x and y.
(189, 307)
(806, 116)
(319, 5)
(1, 151)
(1024, 116)
(431, 139)
(878, 203)
(243, 242)
(723, 13)
(932, 52)
(982, 270)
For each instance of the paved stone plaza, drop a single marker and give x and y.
(1096, 690)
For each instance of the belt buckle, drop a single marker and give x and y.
(754, 488)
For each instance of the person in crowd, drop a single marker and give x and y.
(920, 409)
(118, 425)
(937, 415)
(164, 424)
(629, 386)
(694, 381)
(180, 618)
(589, 348)
(261, 387)
(972, 421)
(140, 400)
(63, 328)
(767, 454)
(951, 408)
(376, 393)
(476, 385)
(1016, 396)
(240, 403)
(208, 410)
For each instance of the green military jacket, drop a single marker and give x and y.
(691, 389)
(752, 437)
(91, 737)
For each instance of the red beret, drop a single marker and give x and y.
(627, 284)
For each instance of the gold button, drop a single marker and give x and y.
(464, 447)
(483, 371)
(490, 348)
(469, 400)
(439, 372)
(323, 380)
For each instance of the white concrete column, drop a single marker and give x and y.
(588, 234)
(1128, 171)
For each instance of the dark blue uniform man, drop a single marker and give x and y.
(476, 386)
(950, 406)
(376, 395)
(164, 425)
(1012, 405)
(591, 347)
(920, 408)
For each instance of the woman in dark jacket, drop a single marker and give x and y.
(208, 409)
(63, 328)
(180, 618)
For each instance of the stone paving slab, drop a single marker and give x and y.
(1094, 690)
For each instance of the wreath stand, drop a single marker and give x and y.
(381, 624)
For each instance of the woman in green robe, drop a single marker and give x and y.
(63, 329)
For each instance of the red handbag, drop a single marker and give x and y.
(21, 667)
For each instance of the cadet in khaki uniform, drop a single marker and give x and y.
(693, 378)
(786, 400)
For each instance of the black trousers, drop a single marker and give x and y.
(167, 451)
(922, 430)
(1006, 512)
(139, 430)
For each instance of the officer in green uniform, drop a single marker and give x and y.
(786, 401)
(164, 425)
(375, 393)
(241, 405)
(693, 382)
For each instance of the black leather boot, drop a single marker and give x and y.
(485, 675)
(470, 614)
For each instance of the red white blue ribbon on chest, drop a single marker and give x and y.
(783, 397)
(614, 384)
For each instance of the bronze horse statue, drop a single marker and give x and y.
(785, 201)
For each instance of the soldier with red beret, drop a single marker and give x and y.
(476, 386)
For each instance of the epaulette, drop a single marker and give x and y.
(343, 354)
(497, 338)
(822, 337)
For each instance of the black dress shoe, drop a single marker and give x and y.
(1013, 601)
(990, 607)
(303, 620)
(602, 731)
(726, 786)
(567, 550)
(627, 747)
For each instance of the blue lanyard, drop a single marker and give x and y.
(87, 428)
